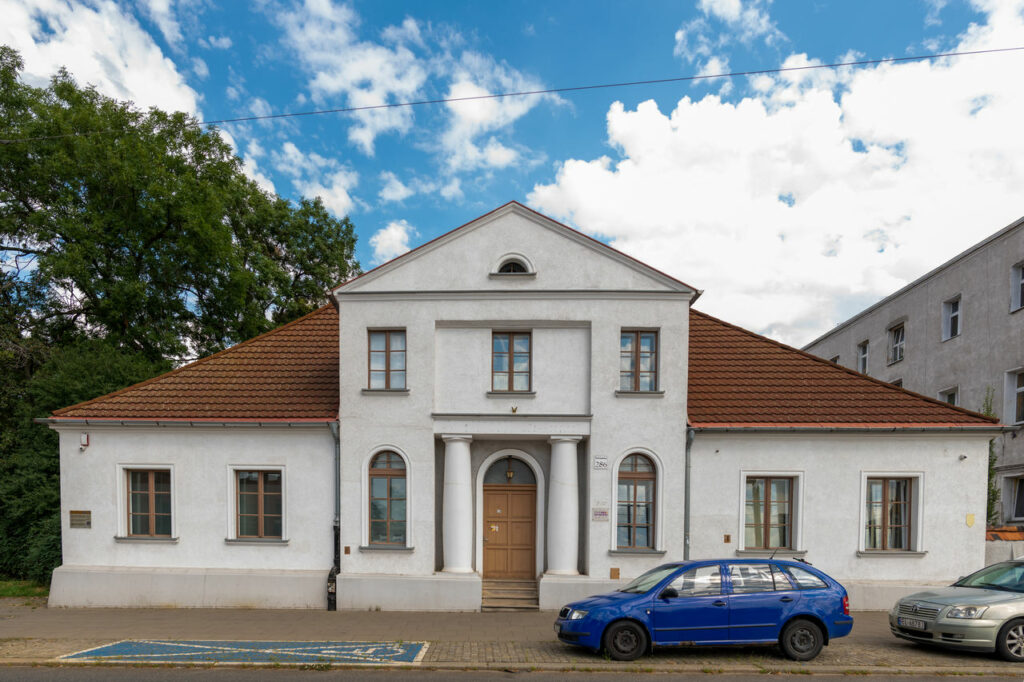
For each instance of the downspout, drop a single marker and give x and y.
(332, 577)
(690, 433)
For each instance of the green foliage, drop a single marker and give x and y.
(21, 588)
(991, 512)
(129, 240)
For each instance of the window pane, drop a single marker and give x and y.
(398, 380)
(748, 578)
(1018, 509)
(643, 536)
(624, 536)
(248, 481)
(139, 480)
(872, 537)
(625, 513)
(646, 382)
(780, 489)
(140, 524)
(377, 380)
(500, 381)
(643, 491)
(163, 524)
(778, 536)
(398, 510)
(521, 382)
(779, 513)
(248, 526)
(163, 503)
(781, 579)
(398, 488)
(898, 490)
(753, 513)
(626, 382)
(140, 502)
(501, 343)
(397, 533)
(272, 504)
(379, 461)
(626, 343)
(642, 463)
(625, 492)
(378, 341)
(378, 361)
(647, 343)
(626, 363)
(804, 578)
(521, 343)
(897, 538)
(378, 510)
(874, 491)
(397, 360)
(753, 536)
(500, 363)
(522, 363)
(397, 340)
(378, 487)
(646, 363)
(272, 527)
(248, 504)
(643, 513)
(378, 532)
(272, 482)
(755, 489)
(162, 480)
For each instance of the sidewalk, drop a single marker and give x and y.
(31, 633)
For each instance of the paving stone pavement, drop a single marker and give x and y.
(32, 633)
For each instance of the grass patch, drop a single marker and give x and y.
(21, 588)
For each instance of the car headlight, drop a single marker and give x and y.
(576, 615)
(966, 612)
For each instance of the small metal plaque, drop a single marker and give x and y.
(599, 514)
(81, 519)
(600, 462)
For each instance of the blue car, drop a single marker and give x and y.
(714, 602)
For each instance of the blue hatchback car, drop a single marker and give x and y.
(713, 602)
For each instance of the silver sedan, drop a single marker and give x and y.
(981, 612)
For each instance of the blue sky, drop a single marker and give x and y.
(792, 200)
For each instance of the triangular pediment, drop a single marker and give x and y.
(554, 256)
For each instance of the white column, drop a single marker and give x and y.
(457, 505)
(563, 507)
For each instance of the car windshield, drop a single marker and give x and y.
(648, 579)
(1008, 577)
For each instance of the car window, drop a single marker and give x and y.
(804, 579)
(649, 579)
(782, 581)
(1005, 576)
(748, 578)
(699, 582)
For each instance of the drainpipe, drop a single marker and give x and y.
(690, 433)
(332, 577)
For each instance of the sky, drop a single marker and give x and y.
(791, 200)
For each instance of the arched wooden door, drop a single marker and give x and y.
(510, 521)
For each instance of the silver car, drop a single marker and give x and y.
(982, 612)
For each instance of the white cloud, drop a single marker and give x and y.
(715, 66)
(316, 176)
(161, 12)
(215, 42)
(100, 45)
(260, 107)
(393, 189)
(452, 189)
(391, 241)
(820, 191)
(935, 8)
(199, 68)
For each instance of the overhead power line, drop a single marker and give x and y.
(550, 91)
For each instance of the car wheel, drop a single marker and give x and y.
(1010, 643)
(801, 640)
(625, 641)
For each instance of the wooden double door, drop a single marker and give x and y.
(510, 531)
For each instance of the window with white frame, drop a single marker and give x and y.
(951, 318)
(768, 512)
(889, 513)
(1017, 286)
(1018, 499)
(950, 395)
(897, 342)
(637, 478)
(149, 503)
(834, 359)
(1018, 397)
(862, 357)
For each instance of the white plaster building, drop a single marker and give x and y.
(511, 401)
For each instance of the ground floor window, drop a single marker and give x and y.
(768, 513)
(149, 503)
(387, 499)
(259, 504)
(888, 514)
(635, 514)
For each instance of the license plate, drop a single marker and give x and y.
(912, 623)
(558, 628)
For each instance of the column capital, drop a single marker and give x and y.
(455, 437)
(564, 439)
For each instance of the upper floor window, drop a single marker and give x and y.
(897, 341)
(951, 318)
(512, 267)
(510, 361)
(898, 383)
(149, 503)
(1019, 398)
(862, 357)
(834, 360)
(387, 360)
(1017, 286)
(259, 504)
(638, 360)
(635, 515)
(951, 396)
(387, 499)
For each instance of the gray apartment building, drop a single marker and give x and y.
(953, 335)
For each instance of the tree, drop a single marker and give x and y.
(129, 241)
(993, 489)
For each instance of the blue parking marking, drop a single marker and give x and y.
(199, 651)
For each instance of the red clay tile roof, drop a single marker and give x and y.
(1010, 533)
(287, 374)
(740, 379)
(737, 379)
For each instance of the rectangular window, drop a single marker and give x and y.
(387, 360)
(834, 360)
(510, 361)
(951, 396)
(897, 339)
(149, 503)
(951, 318)
(898, 383)
(1017, 286)
(259, 504)
(768, 519)
(862, 357)
(1018, 499)
(638, 361)
(888, 513)
(1019, 398)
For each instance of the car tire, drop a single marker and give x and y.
(625, 641)
(801, 640)
(1010, 642)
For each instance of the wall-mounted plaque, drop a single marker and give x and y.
(81, 519)
(600, 462)
(599, 514)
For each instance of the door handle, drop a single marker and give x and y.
(718, 603)
(786, 599)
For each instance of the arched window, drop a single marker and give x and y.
(510, 471)
(512, 267)
(635, 515)
(387, 499)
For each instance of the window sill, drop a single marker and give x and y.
(143, 540)
(639, 394)
(512, 275)
(511, 394)
(1017, 309)
(385, 391)
(950, 338)
(649, 552)
(766, 553)
(255, 541)
(385, 548)
(891, 553)
(890, 363)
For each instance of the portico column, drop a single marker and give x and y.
(563, 507)
(457, 505)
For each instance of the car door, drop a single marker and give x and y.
(698, 613)
(761, 599)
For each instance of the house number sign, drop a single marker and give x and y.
(600, 462)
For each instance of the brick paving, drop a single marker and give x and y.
(31, 633)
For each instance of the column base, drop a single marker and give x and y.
(457, 570)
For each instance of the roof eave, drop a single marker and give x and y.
(226, 422)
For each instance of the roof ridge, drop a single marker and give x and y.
(847, 370)
(161, 377)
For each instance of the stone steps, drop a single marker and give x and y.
(509, 595)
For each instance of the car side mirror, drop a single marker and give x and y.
(669, 593)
